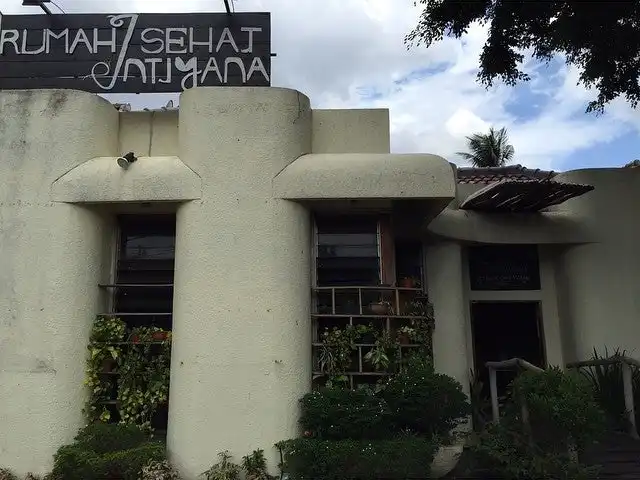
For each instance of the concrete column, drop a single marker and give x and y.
(51, 260)
(241, 345)
(446, 291)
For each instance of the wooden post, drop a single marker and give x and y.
(628, 398)
(493, 385)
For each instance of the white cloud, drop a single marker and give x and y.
(334, 50)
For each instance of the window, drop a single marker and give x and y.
(347, 251)
(361, 273)
(142, 293)
(144, 270)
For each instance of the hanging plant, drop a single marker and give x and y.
(140, 359)
(105, 349)
(422, 324)
(143, 384)
(334, 357)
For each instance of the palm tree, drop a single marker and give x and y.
(489, 150)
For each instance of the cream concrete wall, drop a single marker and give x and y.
(366, 176)
(149, 134)
(351, 131)
(598, 283)
(446, 292)
(149, 179)
(242, 340)
(51, 260)
(555, 227)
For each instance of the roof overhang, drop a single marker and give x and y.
(510, 196)
(364, 176)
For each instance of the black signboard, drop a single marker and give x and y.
(135, 53)
(504, 267)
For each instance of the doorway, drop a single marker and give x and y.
(504, 330)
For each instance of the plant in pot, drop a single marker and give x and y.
(337, 345)
(381, 307)
(405, 335)
(409, 282)
(382, 354)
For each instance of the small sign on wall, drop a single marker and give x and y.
(135, 53)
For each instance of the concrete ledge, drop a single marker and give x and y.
(540, 228)
(366, 176)
(149, 179)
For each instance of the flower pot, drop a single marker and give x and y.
(404, 339)
(407, 283)
(379, 308)
(159, 336)
(108, 364)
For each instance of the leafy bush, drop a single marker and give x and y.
(255, 466)
(313, 459)
(225, 469)
(425, 402)
(503, 452)
(333, 413)
(106, 451)
(108, 437)
(562, 408)
(159, 470)
(6, 474)
(606, 381)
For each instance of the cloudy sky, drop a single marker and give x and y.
(350, 53)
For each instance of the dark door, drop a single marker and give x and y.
(504, 330)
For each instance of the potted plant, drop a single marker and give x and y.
(160, 336)
(380, 355)
(405, 334)
(381, 307)
(408, 282)
(108, 365)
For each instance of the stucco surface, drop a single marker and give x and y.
(147, 179)
(446, 291)
(557, 227)
(366, 176)
(598, 283)
(149, 134)
(351, 131)
(50, 265)
(241, 345)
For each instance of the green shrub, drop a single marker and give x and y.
(106, 451)
(6, 474)
(562, 408)
(225, 469)
(314, 459)
(333, 413)
(159, 470)
(108, 437)
(503, 452)
(606, 381)
(425, 402)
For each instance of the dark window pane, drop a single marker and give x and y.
(146, 256)
(504, 267)
(347, 251)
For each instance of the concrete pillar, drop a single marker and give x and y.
(446, 291)
(51, 260)
(241, 344)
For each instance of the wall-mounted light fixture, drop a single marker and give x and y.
(125, 161)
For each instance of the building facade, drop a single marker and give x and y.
(243, 208)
